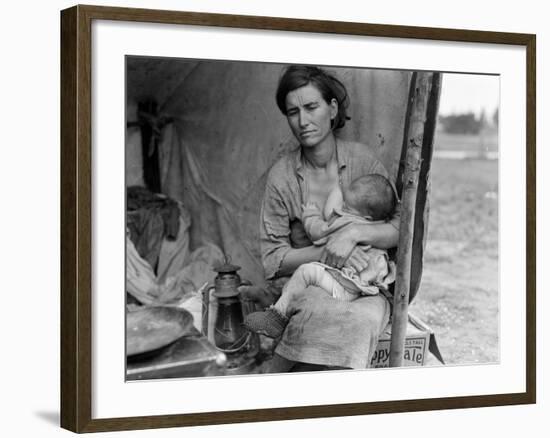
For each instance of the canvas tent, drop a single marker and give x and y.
(226, 131)
(218, 132)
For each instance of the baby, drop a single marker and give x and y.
(368, 199)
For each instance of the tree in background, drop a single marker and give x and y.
(495, 117)
(464, 123)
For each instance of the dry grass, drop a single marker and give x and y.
(486, 141)
(459, 292)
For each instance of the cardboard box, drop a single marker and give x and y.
(417, 340)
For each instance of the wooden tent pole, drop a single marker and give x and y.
(415, 136)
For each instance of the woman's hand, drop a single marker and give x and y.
(339, 247)
(358, 260)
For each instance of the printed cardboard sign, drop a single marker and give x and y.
(416, 346)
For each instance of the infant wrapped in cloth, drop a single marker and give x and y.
(368, 199)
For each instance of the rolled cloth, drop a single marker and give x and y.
(330, 332)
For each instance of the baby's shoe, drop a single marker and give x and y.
(269, 323)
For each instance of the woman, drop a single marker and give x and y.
(314, 103)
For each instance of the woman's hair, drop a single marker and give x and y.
(297, 76)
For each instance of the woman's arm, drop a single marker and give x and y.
(279, 258)
(383, 236)
(298, 256)
(341, 244)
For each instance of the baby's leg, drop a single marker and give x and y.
(273, 321)
(308, 274)
(314, 274)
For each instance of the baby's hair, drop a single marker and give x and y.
(372, 195)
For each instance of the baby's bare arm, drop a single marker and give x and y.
(316, 227)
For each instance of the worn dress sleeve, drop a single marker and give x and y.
(274, 231)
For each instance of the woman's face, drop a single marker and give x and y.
(309, 115)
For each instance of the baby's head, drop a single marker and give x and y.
(371, 196)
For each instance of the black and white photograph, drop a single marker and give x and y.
(287, 218)
(275, 219)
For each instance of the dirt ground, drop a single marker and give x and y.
(459, 297)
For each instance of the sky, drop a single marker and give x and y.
(468, 92)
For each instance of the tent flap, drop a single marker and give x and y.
(228, 132)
